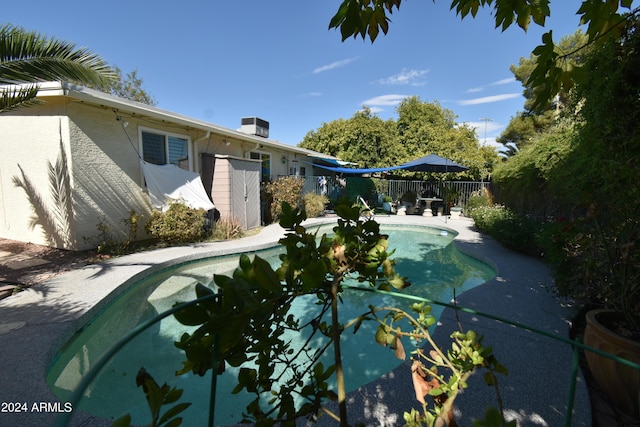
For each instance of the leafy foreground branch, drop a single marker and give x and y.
(249, 324)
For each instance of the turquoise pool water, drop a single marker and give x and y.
(425, 255)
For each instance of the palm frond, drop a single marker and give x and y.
(30, 57)
(12, 98)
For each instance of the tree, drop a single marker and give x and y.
(574, 48)
(527, 126)
(364, 139)
(521, 131)
(554, 72)
(129, 87)
(371, 141)
(422, 128)
(597, 249)
(426, 127)
(28, 58)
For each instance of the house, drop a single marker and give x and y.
(72, 164)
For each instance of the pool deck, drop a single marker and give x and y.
(35, 323)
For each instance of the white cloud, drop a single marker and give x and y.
(503, 82)
(479, 126)
(489, 99)
(314, 94)
(405, 77)
(496, 83)
(334, 65)
(483, 128)
(384, 101)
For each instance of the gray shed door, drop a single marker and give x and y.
(245, 192)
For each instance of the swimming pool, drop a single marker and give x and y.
(423, 254)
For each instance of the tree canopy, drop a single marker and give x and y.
(554, 72)
(364, 139)
(29, 58)
(129, 87)
(527, 126)
(422, 128)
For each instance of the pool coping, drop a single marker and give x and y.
(47, 315)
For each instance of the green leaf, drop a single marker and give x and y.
(175, 423)
(173, 395)
(399, 282)
(313, 276)
(192, 316)
(247, 378)
(348, 212)
(291, 218)
(436, 391)
(173, 412)
(245, 262)
(221, 280)
(489, 379)
(203, 291)
(381, 336)
(123, 421)
(318, 369)
(265, 276)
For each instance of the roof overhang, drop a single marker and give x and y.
(123, 105)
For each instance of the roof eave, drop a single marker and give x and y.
(92, 96)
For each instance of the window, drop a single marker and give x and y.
(265, 159)
(295, 169)
(163, 148)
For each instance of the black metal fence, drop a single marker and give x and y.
(332, 187)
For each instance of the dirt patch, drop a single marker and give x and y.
(27, 264)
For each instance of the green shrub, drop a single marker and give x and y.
(178, 224)
(409, 196)
(226, 229)
(363, 187)
(109, 244)
(515, 232)
(284, 189)
(480, 198)
(314, 204)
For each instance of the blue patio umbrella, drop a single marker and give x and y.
(430, 163)
(433, 163)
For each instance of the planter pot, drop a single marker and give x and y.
(455, 213)
(620, 383)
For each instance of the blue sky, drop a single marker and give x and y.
(222, 60)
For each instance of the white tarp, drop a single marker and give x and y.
(169, 183)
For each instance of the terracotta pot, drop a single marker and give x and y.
(619, 382)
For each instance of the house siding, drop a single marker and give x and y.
(69, 165)
(31, 146)
(106, 174)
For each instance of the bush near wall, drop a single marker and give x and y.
(284, 189)
(178, 224)
(226, 228)
(514, 231)
(314, 204)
